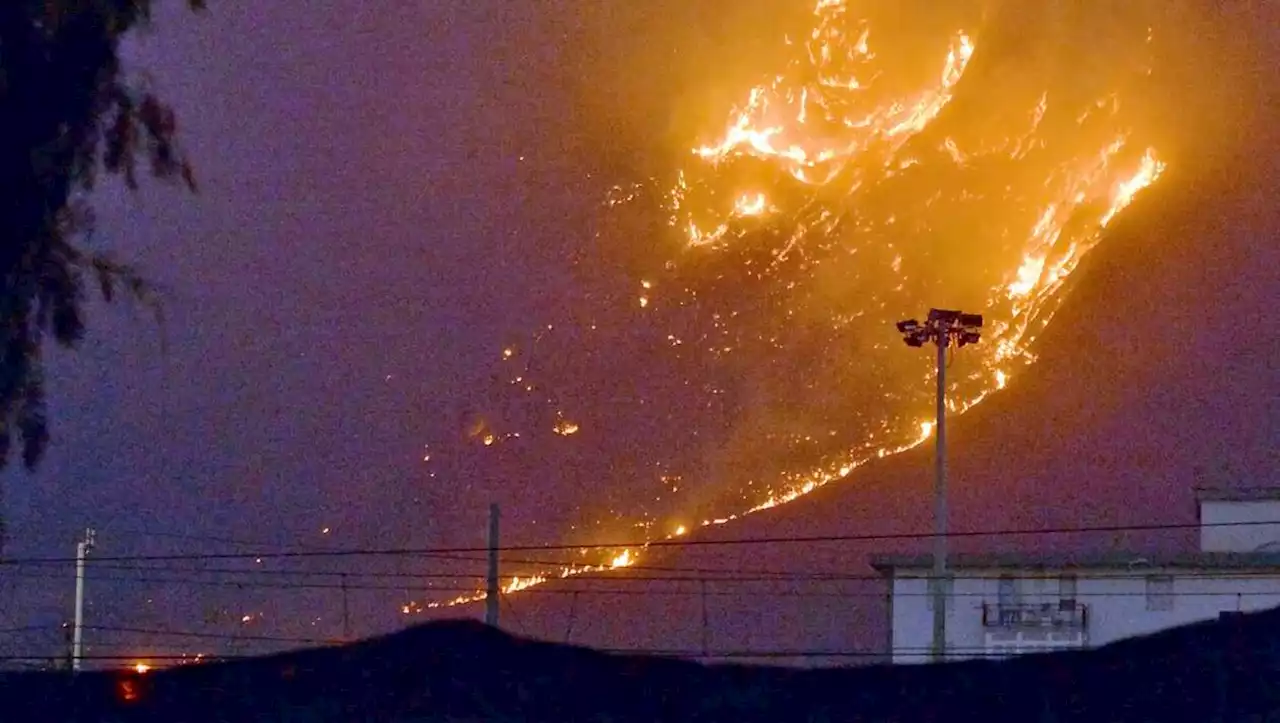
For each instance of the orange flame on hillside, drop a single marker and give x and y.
(812, 154)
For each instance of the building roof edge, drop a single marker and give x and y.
(1126, 561)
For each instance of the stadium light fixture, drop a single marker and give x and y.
(943, 328)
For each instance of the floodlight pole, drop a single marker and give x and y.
(943, 328)
(943, 340)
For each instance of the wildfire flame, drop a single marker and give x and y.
(620, 559)
(776, 125)
(827, 162)
(565, 428)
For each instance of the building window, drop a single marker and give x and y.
(1067, 590)
(1159, 593)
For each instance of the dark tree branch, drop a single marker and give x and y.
(67, 113)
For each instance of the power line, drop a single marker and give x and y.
(625, 574)
(239, 542)
(647, 652)
(300, 573)
(475, 589)
(655, 544)
(25, 629)
(668, 652)
(621, 574)
(208, 636)
(975, 651)
(694, 574)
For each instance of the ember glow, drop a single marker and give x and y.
(884, 170)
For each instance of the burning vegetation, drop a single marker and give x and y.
(887, 166)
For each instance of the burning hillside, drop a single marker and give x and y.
(891, 165)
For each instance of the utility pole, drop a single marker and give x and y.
(77, 632)
(943, 328)
(492, 591)
(346, 612)
(64, 662)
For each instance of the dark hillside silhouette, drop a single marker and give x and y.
(461, 671)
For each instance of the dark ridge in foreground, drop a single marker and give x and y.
(462, 671)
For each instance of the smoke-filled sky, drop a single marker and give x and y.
(391, 198)
(884, 168)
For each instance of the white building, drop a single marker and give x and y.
(1009, 603)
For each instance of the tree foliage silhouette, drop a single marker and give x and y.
(68, 113)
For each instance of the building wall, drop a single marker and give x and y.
(1117, 605)
(1229, 537)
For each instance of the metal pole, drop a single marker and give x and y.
(492, 592)
(77, 632)
(943, 327)
(346, 612)
(943, 340)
